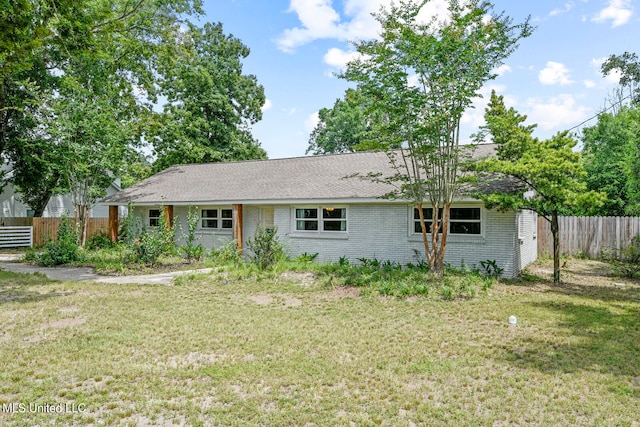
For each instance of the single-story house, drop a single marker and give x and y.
(316, 206)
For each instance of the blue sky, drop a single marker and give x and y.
(296, 46)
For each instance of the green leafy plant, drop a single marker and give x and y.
(228, 252)
(64, 250)
(193, 251)
(491, 268)
(265, 247)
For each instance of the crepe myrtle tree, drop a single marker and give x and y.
(548, 173)
(423, 76)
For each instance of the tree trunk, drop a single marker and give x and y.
(555, 231)
(425, 240)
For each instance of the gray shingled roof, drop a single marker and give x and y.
(268, 181)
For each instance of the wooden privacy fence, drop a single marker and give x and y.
(590, 236)
(47, 228)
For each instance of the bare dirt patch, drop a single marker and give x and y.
(343, 292)
(66, 323)
(304, 280)
(261, 299)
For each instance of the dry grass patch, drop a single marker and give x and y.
(267, 351)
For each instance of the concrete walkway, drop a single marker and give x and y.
(78, 274)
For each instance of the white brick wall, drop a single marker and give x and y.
(384, 231)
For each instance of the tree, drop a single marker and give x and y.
(343, 128)
(210, 102)
(64, 57)
(548, 175)
(611, 161)
(629, 67)
(424, 76)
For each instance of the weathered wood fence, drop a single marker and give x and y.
(590, 236)
(47, 228)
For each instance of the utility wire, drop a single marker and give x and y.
(599, 113)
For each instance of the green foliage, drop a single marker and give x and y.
(211, 102)
(626, 262)
(130, 228)
(306, 258)
(342, 128)
(99, 240)
(420, 78)
(628, 66)
(64, 249)
(191, 249)
(265, 246)
(611, 156)
(491, 268)
(545, 176)
(228, 252)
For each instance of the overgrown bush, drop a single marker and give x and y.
(627, 263)
(265, 247)
(229, 252)
(64, 250)
(99, 240)
(191, 249)
(153, 242)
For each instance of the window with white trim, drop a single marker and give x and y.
(216, 218)
(154, 217)
(321, 219)
(461, 220)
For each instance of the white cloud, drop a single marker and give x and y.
(311, 122)
(567, 7)
(554, 73)
(338, 58)
(590, 84)
(502, 69)
(557, 113)
(320, 20)
(267, 105)
(619, 12)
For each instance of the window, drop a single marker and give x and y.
(216, 218)
(307, 219)
(154, 217)
(227, 218)
(461, 220)
(321, 219)
(209, 218)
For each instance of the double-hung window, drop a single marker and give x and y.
(216, 218)
(154, 217)
(461, 220)
(321, 219)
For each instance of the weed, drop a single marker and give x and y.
(265, 247)
(491, 268)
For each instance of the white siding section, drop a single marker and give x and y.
(527, 238)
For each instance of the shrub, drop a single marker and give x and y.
(191, 249)
(628, 262)
(149, 247)
(265, 247)
(64, 250)
(228, 252)
(100, 240)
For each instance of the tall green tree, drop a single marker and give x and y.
(611, 157)
(343, 128)
(211, 104)
(547, 175)
(424, 76)
(93, 56)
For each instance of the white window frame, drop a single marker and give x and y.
(223, 219)
(413, 221)
(321, 220)
(156, 219)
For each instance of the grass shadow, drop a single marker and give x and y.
(21, 287)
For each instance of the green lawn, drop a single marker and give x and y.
(291, 350)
